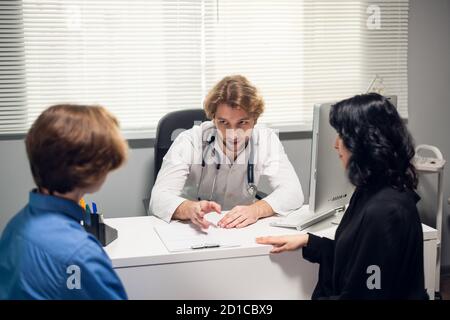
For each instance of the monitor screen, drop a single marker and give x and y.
(329, 186)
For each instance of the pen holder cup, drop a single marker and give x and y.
(104, 233)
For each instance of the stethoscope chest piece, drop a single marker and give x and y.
(252, 189)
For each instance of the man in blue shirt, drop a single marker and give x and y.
(45, 253)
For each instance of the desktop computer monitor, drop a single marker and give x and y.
(330, 188)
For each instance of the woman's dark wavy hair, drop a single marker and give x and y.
(381, 146)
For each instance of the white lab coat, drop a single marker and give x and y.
(180, 175)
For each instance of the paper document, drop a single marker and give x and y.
(214, 217)
(178, 236)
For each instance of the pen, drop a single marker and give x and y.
(212, 245)
(95, 211)
(205, 246)
(82, 203)
(87, 213)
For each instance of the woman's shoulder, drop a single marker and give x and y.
(389, 201)
(391, 193)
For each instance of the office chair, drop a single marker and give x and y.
(168, 129)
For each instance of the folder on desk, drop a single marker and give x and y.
(178, 236)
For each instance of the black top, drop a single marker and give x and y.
(377, 252)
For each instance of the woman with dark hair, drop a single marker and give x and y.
(377, 252)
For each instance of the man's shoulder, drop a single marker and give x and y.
(267, 141)
(262, 130)
(51, 234)
(39, 252)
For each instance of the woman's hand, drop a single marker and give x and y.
(285, 243)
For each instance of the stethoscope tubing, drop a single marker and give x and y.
(250, 169)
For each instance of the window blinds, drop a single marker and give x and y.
(142, 59)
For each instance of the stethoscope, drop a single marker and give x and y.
(251, 188)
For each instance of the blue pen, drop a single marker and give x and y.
(94, 207)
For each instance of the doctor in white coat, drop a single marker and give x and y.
(217, 165)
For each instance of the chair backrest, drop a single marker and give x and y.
(168, 129)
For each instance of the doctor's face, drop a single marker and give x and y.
(343, 152)
(234, 125)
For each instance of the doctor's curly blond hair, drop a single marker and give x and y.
(237, 92)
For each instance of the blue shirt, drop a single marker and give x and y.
(46, 254)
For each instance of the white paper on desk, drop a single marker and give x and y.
(214, 217)
(178, 236)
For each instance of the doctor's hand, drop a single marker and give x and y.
(239, 217)
(285, 243)
(242, 216)
(195, 211)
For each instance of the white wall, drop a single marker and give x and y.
(429, 94)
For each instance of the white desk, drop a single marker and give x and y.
(149, 271)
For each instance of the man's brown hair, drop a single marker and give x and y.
(237, 92)
(74, 146)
